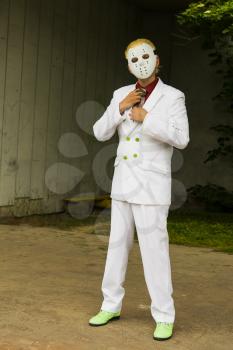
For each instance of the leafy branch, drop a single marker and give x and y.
(213, 21)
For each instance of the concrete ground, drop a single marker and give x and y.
(50, 287)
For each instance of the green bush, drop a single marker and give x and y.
(214, 197)
(212, 20)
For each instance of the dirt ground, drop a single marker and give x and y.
(50, 287)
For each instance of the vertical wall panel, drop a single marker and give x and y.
(81, 56)
(4, 24)
(102, 48)
(27, 99)
(9, 163)
(90, 84)
(68, 120)
(56, 87)
(81, 84)
(42, 101)
(68, 91)
(110, 52)
(121, 69)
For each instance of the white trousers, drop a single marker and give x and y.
(151, 227)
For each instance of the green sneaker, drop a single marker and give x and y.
(103, 317)
(163, 331)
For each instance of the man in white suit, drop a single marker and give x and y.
(150, 118)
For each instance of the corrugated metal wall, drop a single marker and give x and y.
(54, 55)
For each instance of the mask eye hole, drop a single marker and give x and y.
(145, 56)
(134, 59)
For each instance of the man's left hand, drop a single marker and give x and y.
(138, 114)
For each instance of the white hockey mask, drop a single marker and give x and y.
(142, 60)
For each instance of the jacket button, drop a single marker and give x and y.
(137, 139)
(125, 157)
(128, 138)
(135, 155)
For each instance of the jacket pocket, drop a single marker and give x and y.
(150, 166)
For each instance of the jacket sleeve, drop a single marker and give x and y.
(105, 127)
(174, 129)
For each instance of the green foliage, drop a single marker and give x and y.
(215, 12)
(201, 229)
(225, 147)
(213, 20)
(215, 198)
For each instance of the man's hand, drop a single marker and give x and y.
(131, 99)
(138, 114)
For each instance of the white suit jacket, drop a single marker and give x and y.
(142, 167)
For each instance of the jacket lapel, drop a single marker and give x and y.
(129, 125)
(155, 96)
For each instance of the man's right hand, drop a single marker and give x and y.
(130, 100)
